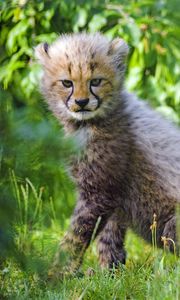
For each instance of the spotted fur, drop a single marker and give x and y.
(130, 163)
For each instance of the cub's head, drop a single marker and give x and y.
(82, 74)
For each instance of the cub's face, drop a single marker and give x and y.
(82, 74)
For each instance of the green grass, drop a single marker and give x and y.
(149, 273)
(144, 277)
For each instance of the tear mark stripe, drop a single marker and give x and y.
(92, 66)
(69, 68)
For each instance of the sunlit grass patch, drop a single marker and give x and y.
(148, 281)
(145, 276)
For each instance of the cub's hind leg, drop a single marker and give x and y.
(111, 242)
(170, 234)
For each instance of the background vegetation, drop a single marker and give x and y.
(36, 194)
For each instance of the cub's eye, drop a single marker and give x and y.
(67, 83)
(95, 82)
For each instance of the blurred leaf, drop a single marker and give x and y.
(97, 22)
(168, 112)
(80, 19)
(15, 33)
(134, 33)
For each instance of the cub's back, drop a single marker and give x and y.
(157, 138)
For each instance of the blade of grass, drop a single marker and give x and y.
(17, 194)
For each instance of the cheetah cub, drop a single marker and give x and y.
(129, 166)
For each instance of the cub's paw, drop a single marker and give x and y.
(59, 274)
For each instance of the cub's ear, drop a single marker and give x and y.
(119, 50)
(41, 53)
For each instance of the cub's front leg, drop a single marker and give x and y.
(71, 250)
(111, 241)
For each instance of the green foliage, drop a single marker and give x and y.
(37, 196)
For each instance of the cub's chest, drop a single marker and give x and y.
(95, 150)
(88, 148)
(82, 137)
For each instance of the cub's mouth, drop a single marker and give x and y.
(83, 114)
(83, 110)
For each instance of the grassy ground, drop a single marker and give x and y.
(149, 273)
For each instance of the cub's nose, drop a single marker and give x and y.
(82, 102)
